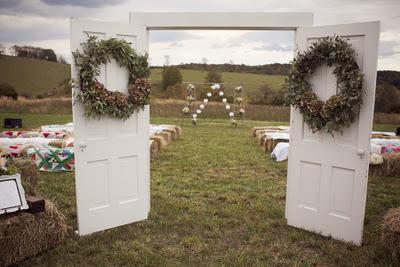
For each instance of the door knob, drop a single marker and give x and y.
(360, 152)
(82, 144)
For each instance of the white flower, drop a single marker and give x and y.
(198, 111)
(224, 100)
(228, 107)
(190, 86)
(205, 100)
(238, 88)
(201, 106)
(221, 93)
(209, 94)
(231, 114)
(242, 111)
(185, 110)
(215, 86)
(194, 115)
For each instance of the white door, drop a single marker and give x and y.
(327, 176)
(112, 156)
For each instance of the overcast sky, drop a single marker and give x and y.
(45, 23)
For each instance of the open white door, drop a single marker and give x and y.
(327, 176)
(111, 156)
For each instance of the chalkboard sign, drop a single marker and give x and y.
(12, 194)
(12, 123)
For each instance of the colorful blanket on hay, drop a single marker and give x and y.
(52, 159)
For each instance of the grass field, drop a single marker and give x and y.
(252, 81)
(32, 76)
(217, 199)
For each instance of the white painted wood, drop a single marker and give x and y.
(327, 178)
(112, 156)
(222, 20)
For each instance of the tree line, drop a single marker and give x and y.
(33, 52)
(387, 97)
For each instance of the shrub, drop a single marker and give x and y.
(387, 98)
(170, 77)
(8, 91)
(214, 77)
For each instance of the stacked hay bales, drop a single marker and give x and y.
(160, 139)
(268, 136)
(24, 234)
(389, 167)
(390, 234)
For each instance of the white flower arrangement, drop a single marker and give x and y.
(224, 100)
(194, 115)
(228, 106)
(201, 106)
(205, 100)
(198, 111)
(215, 86)
(221, 93)
(209, 94)
(242, 111)
(186, 110)
(231, 114)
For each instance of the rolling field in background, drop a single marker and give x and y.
(32, 76)
(251, 81)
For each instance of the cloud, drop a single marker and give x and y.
(171, 36)
(9, 3)
(274, 47)
(27, 29)
(389, 48)
(83, 3)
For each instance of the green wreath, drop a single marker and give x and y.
(339, 110)
(99, 101)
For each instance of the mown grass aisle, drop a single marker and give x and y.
(217, 199)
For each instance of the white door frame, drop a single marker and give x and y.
(288, 21)
(223, 21)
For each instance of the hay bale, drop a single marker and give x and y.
(172, 131)
(154, 149)
(389, 167)
(24, 235)
(29, 174)
(179, 130)
(390, 232)
(382, 136)
(166, 136)
(160, 140)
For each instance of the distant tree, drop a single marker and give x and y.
(171, 76)
(2, 49)
(49, 55)
(8, 91)
(62, 60)
(214, 77)
(387, 98)
(166, 58)
(34, 52)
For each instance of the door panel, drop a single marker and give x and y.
(112, 156)
(327, 177)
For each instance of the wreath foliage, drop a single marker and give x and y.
(339, 110)
(99, 101)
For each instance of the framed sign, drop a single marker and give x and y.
(12, 194)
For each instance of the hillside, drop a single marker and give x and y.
(32, 76)
(251, 81)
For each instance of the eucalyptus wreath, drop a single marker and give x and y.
(99, 101)
(339, 110)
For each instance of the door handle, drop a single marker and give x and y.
(360, 152)
(82, 144)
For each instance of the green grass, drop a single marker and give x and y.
(252, 81)
(32, 76)
(216, 199)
